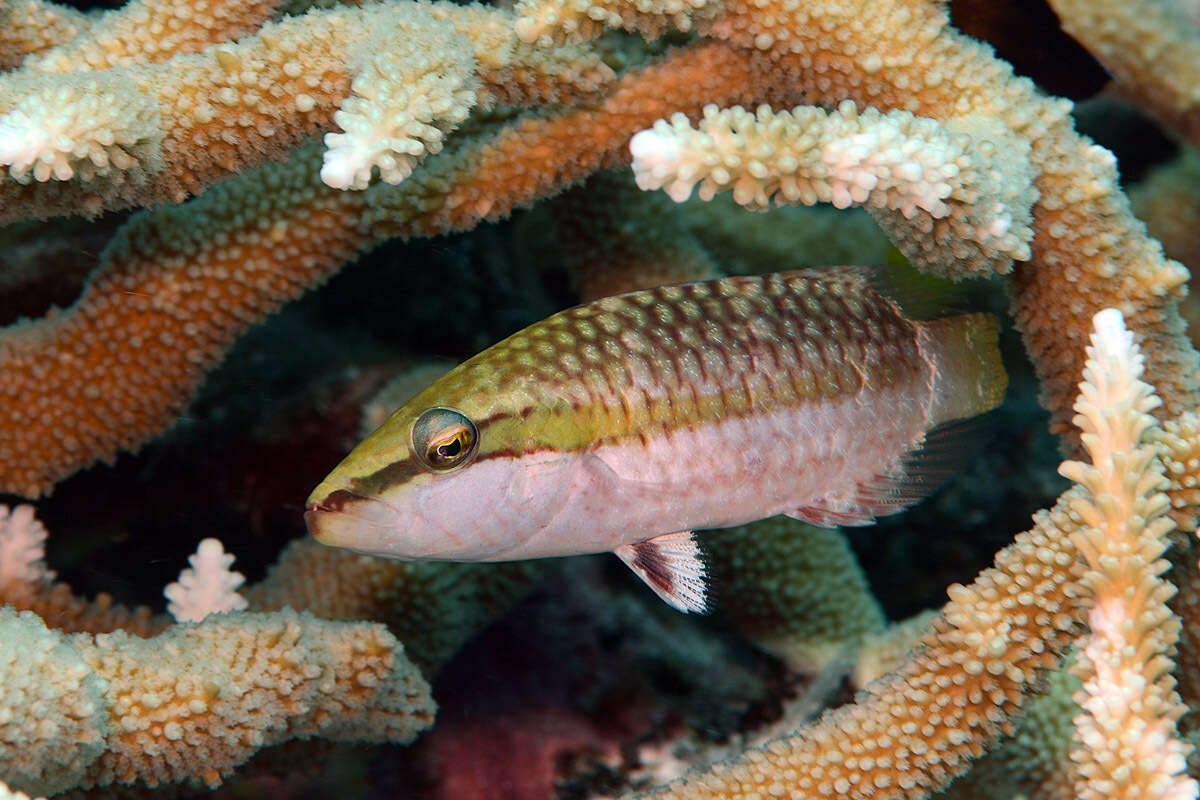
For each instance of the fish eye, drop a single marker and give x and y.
(443, 439)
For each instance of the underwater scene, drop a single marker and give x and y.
(598, 399)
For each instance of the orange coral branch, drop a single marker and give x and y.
(34, 26)
(171, 295)
(538, 155)
(912, 731)
(152, 31)
(142, 134)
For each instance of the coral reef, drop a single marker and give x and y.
(245, 153)
(195, 702)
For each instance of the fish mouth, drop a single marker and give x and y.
(354, 521)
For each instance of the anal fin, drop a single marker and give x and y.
(840, 517)
(673, 566)
(881, 496)
(932, 459)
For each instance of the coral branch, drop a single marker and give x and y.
(1151, 48)
(208, 586)
(34, 26)
(1129, 745)
(957, 204)
(152, 31)
(913, 730)
(193, 703)
(141, 134)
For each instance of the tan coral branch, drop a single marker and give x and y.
(956, 198)
(34, 26)
(203, 117)
(1127, 737)
(1150, 47)
(913, 730)
(151, 31)
(194, 702)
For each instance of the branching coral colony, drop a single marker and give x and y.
(437, 117)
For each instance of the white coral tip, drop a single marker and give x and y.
(654, 153)
(1111, 339)
(207, 587)
(344, 169)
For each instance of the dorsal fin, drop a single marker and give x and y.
(918, 295)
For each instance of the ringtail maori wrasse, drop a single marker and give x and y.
(627, 423)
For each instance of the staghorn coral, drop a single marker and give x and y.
(1126, 733)
(196, 701)
(914, 729)
(435, 607)
(904, 56)
(94, 140)
(1152, 50)
(203, 272)
(1125, 742)
(33, 26)
(181, 284)
(1080, 217)
(1035, 761)
(207, 587)
(143, 31)
(968, 177)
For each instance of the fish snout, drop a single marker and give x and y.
(356, 522)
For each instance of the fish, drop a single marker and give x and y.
(626, 424)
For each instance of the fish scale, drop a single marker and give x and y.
(695, 368)
(625, 423)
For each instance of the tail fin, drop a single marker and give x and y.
(968, 373)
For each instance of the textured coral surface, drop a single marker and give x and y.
(235, 234)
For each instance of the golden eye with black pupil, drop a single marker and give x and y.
(444, 439)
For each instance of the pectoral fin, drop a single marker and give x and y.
(673, 566)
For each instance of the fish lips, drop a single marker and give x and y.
(359, 523)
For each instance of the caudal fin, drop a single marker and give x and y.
(969, 377)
